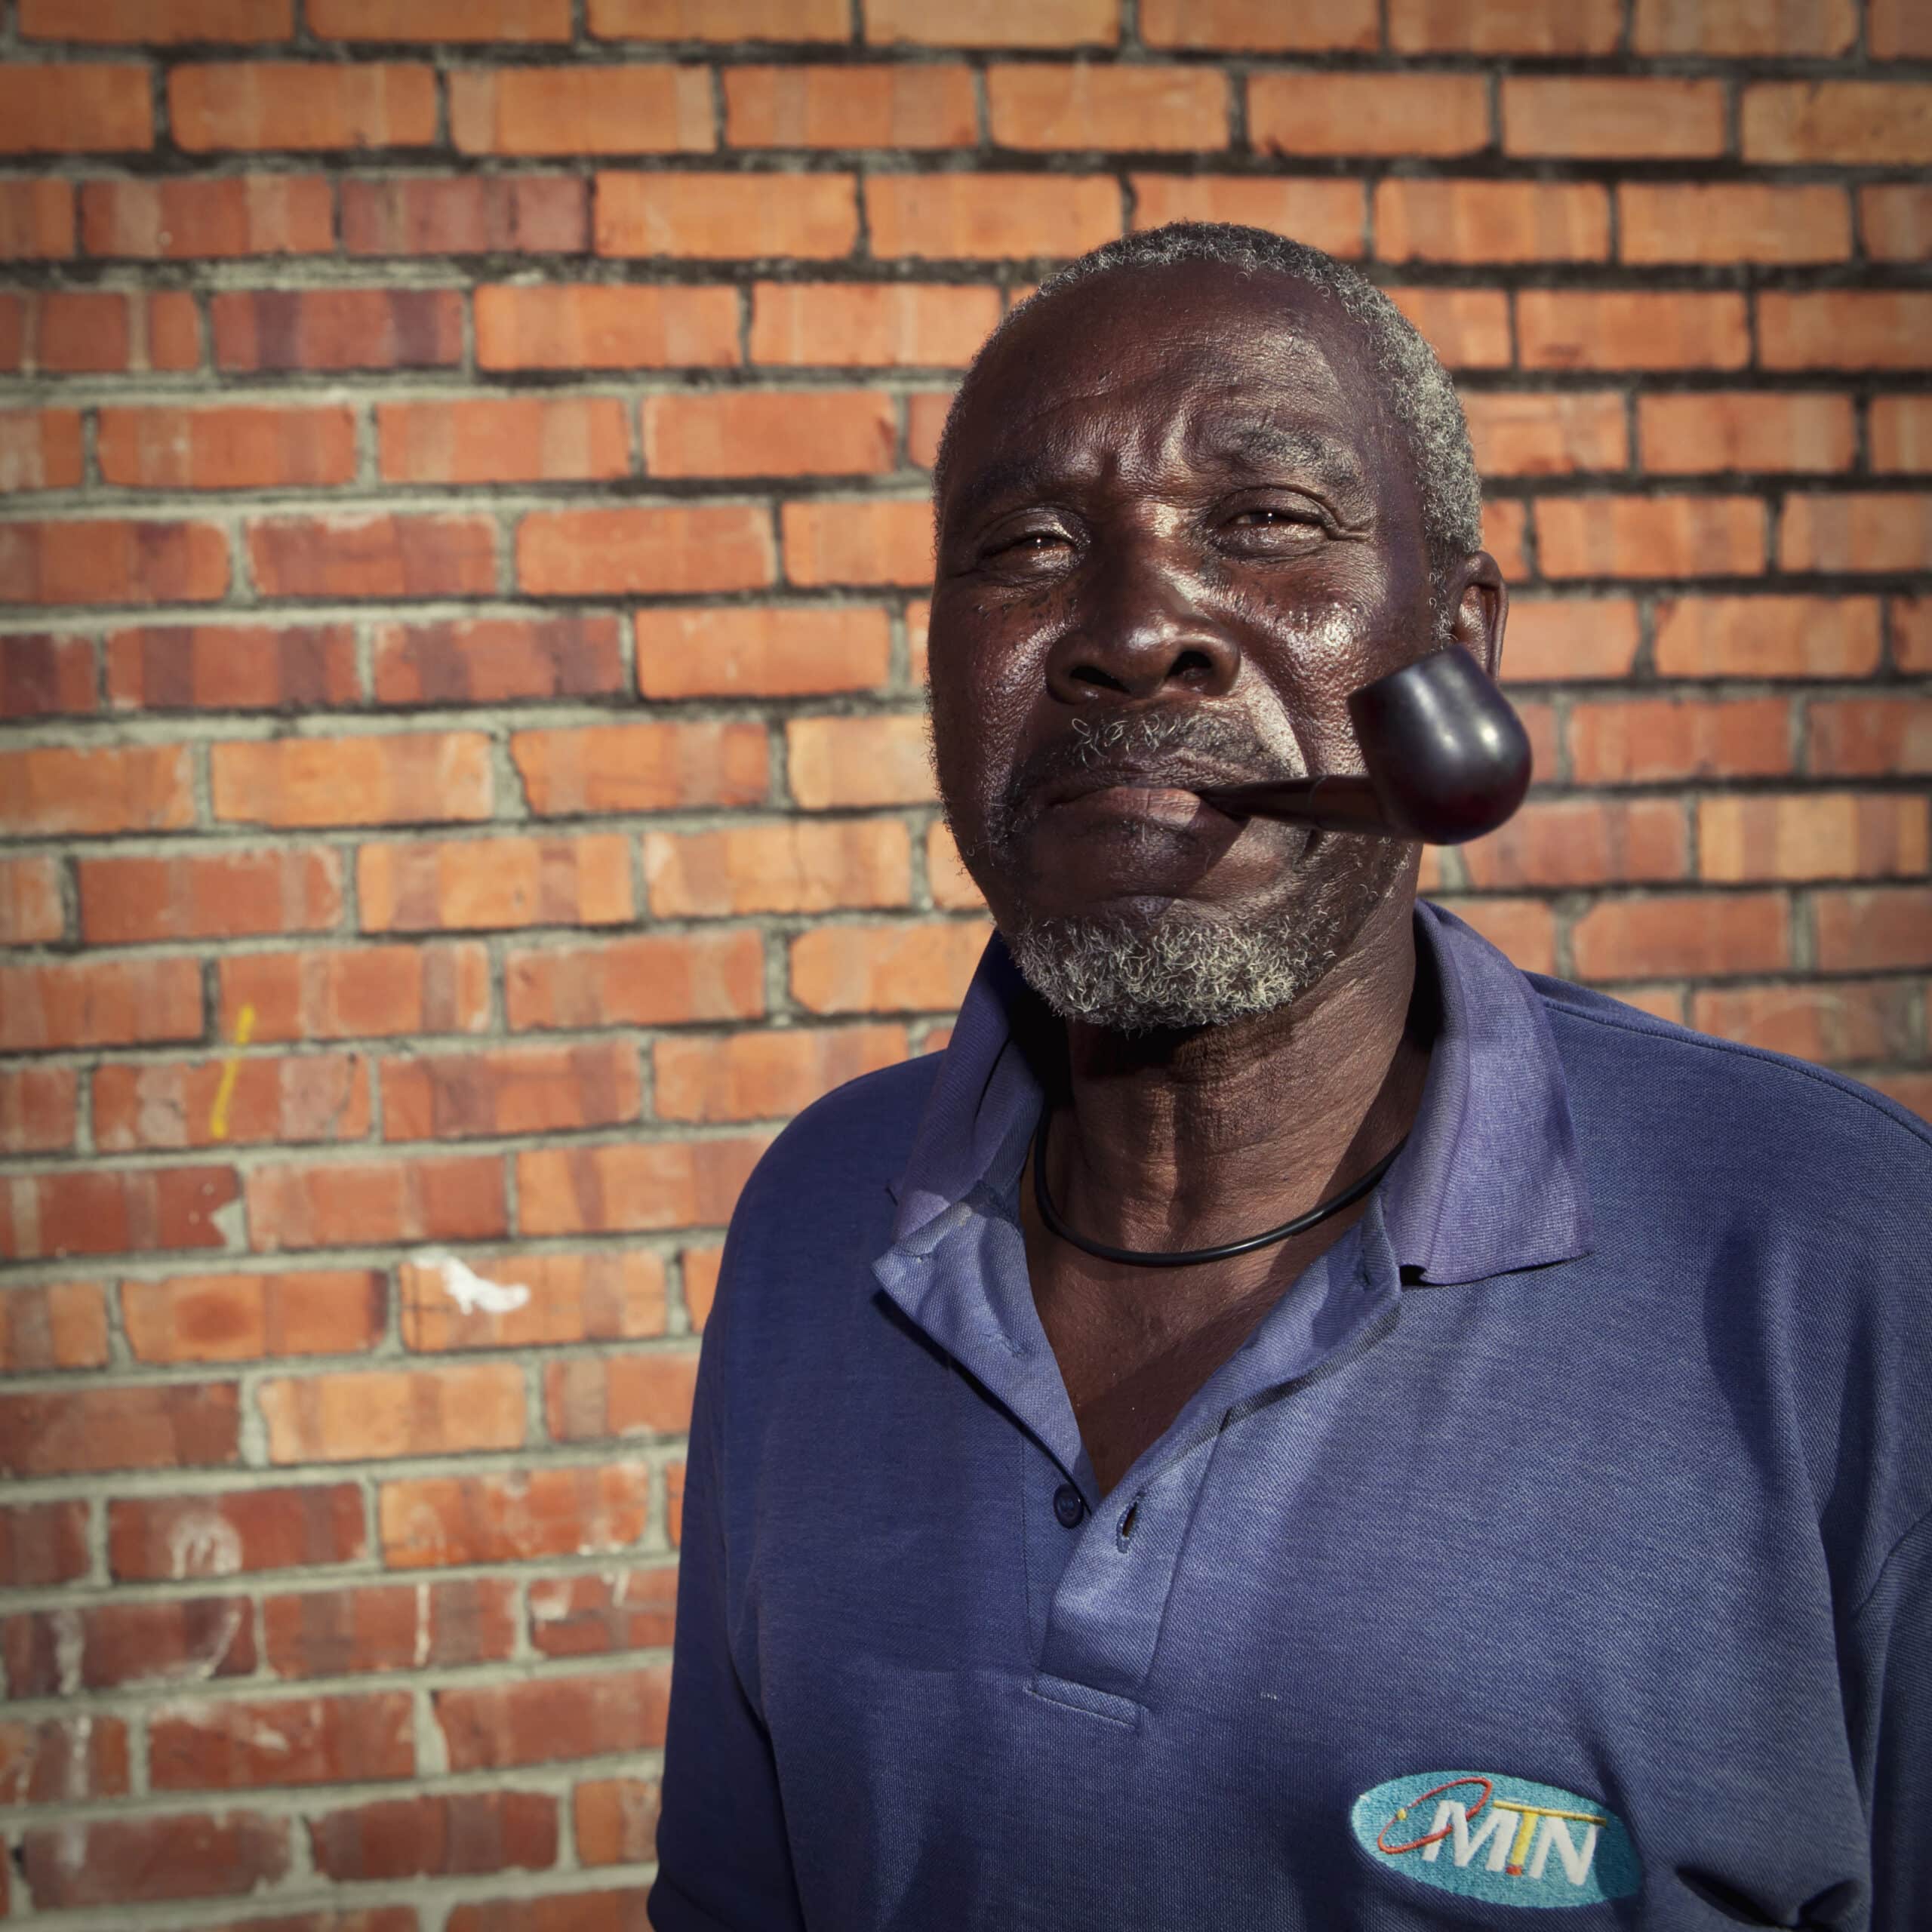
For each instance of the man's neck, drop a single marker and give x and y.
(1188, 1140)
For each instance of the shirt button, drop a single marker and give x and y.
(1069, 1506)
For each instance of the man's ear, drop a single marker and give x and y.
(1482, 610)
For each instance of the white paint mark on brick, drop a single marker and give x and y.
(473, 1293)
(203, 1543)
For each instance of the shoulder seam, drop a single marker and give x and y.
(1905, 1536)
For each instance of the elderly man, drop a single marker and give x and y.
(1288, 1422)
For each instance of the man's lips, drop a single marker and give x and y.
(1166, 780)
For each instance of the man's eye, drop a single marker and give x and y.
(1027, 544)
(1273, 519)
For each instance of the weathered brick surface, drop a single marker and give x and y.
(463, 561)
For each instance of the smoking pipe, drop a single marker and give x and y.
(1447, 758)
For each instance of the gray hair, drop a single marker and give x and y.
(1421, 400)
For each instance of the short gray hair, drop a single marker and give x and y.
(1421, 399)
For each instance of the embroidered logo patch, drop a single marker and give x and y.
(1503, 1840)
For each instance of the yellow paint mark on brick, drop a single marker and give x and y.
(245, 1025)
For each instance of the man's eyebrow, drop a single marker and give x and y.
(1016, 474)
(1270, 442)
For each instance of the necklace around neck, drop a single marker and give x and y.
(1191, 1257)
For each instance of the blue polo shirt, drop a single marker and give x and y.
(1560, 1539)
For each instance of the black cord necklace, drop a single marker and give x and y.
(1192, 1257)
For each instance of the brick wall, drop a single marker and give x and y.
(461, 624)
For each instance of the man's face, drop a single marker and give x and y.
(1177, 531)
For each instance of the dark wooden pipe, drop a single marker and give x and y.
(1447, 758)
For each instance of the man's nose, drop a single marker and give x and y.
(1142, 634)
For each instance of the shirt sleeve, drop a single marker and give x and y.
(1889, 1702)
(723, 1861)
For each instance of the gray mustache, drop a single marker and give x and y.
(1188, 746)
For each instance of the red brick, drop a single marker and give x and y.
(926, 412)
(726, 216)
(844, 541)
(465, 215)
(946, 877)
(765, 1075)
(654, 980)
(642, 768)
(625, 1610)
(1853, 1020)
(45, 673)
(823, 433)
(1503, 27)
(573, 110)
(1570, 639)
(389, 1626)
(175, 1104)
(251, 1318)
(645, 1394)
(365, 1415)
(1238, 25)
(1594, 118)
(1660, 536)
(1912, 633)
(1888, 532)
(1054, 106)
(103, 562)
(232, 667)
(62, 1325)
(108, 1861)
(36, 220)
(1872, 737)
(362, 1203)
(117, 1211)
(1818, 27)
(515, 1518)
(1469, 328)
(1491, 221)
(1645, 741)
(635, 550)
(1909, 1088)
(356, 992)
(1883, 927)
(81, 1431)
(793, 867)
(392, 779)
(989, 216)
(99, 1003)
(157, 23)
(1329, 113)
(1901, 433)
(1001, 23)
(511, 1090)
(539, 1720)
(721, 20)
(276, 329)
(30, 907)
(591, 326)
(1326, 214)
(879, 325)
(83, 332)
(203, 1744)
(900, 967)
(425, 886)
(1744, 429)
(1706, 223)
(1898, 30)
(1578, 842)
(209, 895)
(506, 440)
(759, 652)
(838, 762)
(380, 556)
(190, 1638)
(1767, 637)
(60, 107)
(1709, 935)
(42, 1543)
(1844, 330)
(1812, 835)
(1577, 329)
(625, 1186)
(38, 1109)
(371, 1918)
(1882, 123)
(226, 449)
(487, 660)
(516, 21)
(921, 106)
(624, 1911)
(1895, 218)
(700, 1266)
(304, 105)
(611, 1294)
(50, 790)
(462, 1832)
(177, 1536)
(1545, 432)
(62, 1760)
(185, 219)
(39, 449)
